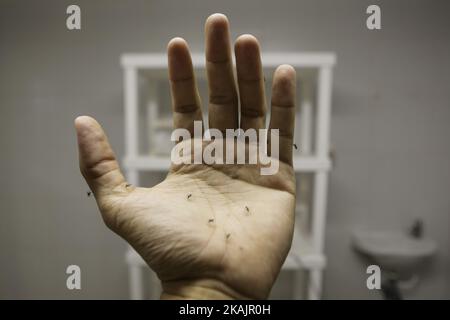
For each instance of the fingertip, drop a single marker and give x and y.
(87, 128)
(246, 37)
(78, 121)
(217, 38)
(82, 120)
(246, 41)
(284, 76)
(216, 20)
(247, 51)
(83, 123)
(285, 71)
(179, 59)
(284, 86)
(177, 44)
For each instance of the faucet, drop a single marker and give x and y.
(416, 230)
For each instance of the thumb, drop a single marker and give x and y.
(98, 163)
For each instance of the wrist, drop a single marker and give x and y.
(199, 289)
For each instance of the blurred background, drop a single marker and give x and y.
(389, 129)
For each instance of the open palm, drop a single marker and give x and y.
(208, 231)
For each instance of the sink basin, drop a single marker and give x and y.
(394, 251)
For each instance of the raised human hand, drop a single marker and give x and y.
(208, 231)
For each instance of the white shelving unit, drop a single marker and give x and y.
(312, 137)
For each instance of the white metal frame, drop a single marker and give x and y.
(307, 252)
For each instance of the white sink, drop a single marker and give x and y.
(394, 251)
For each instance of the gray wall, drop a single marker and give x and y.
(390, 127)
